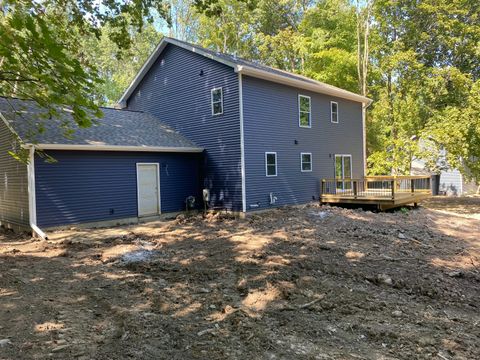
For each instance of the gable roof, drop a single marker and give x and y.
(245, 67)
(118, 130)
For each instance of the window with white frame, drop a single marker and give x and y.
(304, 111)
(271, 164)
(217, 101)
(334, 112)
(306, 162)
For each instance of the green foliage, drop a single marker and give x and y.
(42, 57)
(457, 130)
(109, 58)
(419, 60)
(425, 62)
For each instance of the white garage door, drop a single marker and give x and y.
(148, 189)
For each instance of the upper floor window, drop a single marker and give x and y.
(271, 164)
(304, 111)
(334, 112)
(306, 162)
(217, 101)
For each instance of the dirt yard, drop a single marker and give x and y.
(296, 283)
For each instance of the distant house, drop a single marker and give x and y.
(192, 119)
(446, 180)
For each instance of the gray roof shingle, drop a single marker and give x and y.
(242, 66)
(253, 64)
(116, 128)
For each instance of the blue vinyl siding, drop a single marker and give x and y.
(83, 186)
(271, 125)
(175, 91)
(13, 182)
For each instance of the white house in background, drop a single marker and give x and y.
(451, 181)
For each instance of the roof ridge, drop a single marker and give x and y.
(242, 66)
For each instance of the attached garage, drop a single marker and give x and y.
(128, 166)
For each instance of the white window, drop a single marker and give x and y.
(304, 111)
(217, 101)
(334, 112)
(306, 162)
(271, 164)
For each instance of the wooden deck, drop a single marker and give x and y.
(384, 192)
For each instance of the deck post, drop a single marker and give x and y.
(323, 187)
(355, 189)
(392, 182)
(412, 185)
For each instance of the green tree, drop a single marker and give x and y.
(41, 52)
(117, 66)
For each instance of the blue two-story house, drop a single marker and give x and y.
(192, 119)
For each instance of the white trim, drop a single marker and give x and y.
(343, 165)
(32, 203)
(242, 145)
(307, 84)
(154, 56)
(276, 162)
(32, 207)
(115, 148)
(159, 203)
(287, 79)
(7, 124)
(212, 102)
(331, 112)
(301, 161)
(364, 130)
(309, 111)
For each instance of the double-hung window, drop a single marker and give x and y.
(271, 164)
(217, 101)
(334, 112)
(304, 111)
(306, 162)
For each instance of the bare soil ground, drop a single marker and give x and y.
(306, 282)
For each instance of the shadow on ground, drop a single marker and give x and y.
(295, 283)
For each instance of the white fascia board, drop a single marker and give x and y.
(122, 103)
(7, 124)
(317, 86)
(118, 148)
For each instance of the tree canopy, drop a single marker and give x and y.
(419, 60)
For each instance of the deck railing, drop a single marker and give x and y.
(376, 186)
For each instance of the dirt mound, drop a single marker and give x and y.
(305, 282)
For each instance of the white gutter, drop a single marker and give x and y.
(307, 84)
(242, 145)
(287, 79)
(32, 206)
(116, 148)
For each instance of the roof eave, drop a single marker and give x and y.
(115, 148)
(122, 103)
(315, 87)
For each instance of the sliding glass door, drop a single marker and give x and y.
(343, 171)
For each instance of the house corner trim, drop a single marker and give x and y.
(32, 206)
(242, 144)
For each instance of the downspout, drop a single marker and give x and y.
(364, 128)
(242, 144)
(32, 207)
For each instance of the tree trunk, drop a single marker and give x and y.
(359, 48)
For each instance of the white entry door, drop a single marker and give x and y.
(148, 189)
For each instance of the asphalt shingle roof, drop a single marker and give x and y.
(116, 128)
(240, 61)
